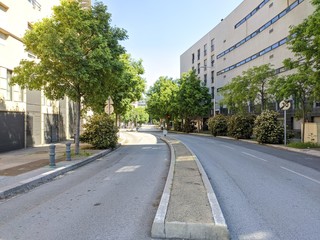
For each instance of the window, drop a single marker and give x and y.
(192, 57)
(205, 79)
(212, 76)
(212, 45)
(205, 50)
(198, 54)
(251, 13)
(212, 60)
(205, 64)
(198, 68)
(212, 92)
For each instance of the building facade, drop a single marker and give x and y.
(27, 118)
(253, 34)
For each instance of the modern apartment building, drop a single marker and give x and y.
(27, 118)
(253, 34)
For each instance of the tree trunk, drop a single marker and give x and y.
(77, 136)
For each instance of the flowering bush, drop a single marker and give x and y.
(100, 132)
(218, 125)
(267, 129)
(240, 126)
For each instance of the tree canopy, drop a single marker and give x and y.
(161, 98)
(78, 55)
(251, 87)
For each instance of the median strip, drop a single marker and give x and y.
(188, 208)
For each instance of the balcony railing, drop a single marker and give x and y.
(35, 4)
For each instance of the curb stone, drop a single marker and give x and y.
(30, 183)
(188, 230)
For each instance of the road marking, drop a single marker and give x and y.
(301, 175)
(255, 156)
(226, 146)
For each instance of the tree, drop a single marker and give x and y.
(304, 39)
(193, 100)
(161, 99)
(78, 54)
(302, 85)
(130, 85)
(136, 115)
(251, 87)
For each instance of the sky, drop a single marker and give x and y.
(160, 31)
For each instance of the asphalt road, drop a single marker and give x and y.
(115, 197)
(264, 193)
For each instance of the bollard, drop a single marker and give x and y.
(68, 151)
(52, 155)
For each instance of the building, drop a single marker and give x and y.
(253, 34)
(27, 118)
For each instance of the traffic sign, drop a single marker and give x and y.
(284, 105)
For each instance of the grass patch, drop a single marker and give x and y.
(302, 145)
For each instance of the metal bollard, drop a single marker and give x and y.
(52, 155)
(68, 151)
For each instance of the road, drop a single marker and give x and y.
(115, 197)
(264, 193)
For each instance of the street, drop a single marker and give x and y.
(262, 191)
(115, 197)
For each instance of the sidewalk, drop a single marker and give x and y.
(24, 169)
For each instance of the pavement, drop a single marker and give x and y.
(188, 208)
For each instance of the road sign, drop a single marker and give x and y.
(284, 105)
(109, 106)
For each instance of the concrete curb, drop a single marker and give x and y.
(158, 226)
(185, 230)
(30, 183)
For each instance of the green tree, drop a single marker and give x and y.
(251, 87)
(193, 100)
(78, 54)
(130, 85)
(161, 99)
(303, 84)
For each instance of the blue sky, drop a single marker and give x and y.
(161, 30)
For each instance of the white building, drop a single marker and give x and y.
(253, 34)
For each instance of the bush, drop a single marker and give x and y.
(303, 145)
(188, 126)
(100, 132)
(218, 125)
(240, 126)
(267, 129)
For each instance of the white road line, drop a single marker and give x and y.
(226, 146)
(255, 156)
(301, 175)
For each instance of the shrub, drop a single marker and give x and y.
(240, 126)
(267, 129)
(100, 132)
(218, 125)
(304, 145)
